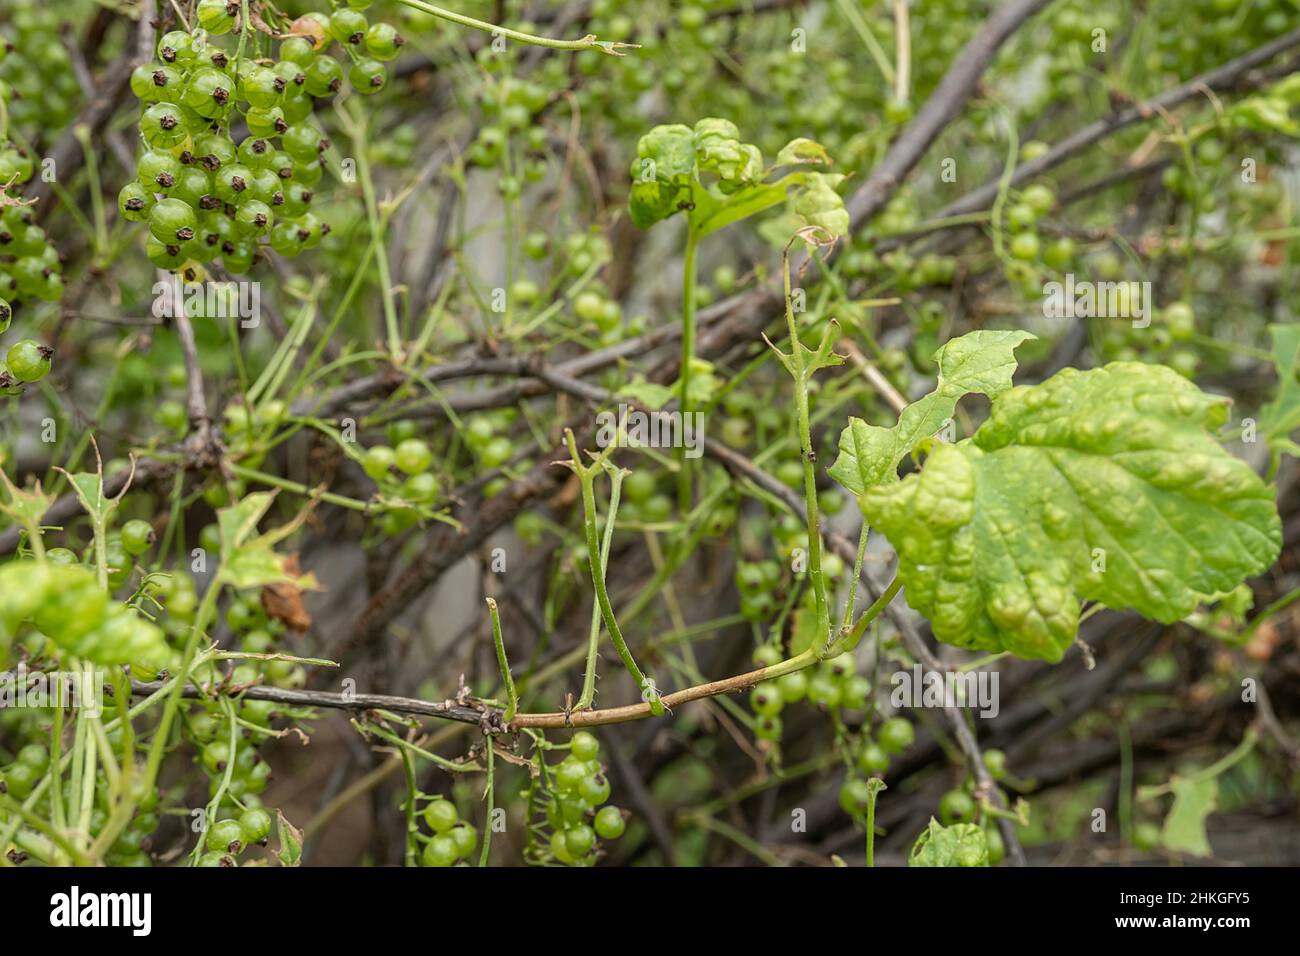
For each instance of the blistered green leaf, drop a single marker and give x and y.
(1184, 828)
(803, 150)
(1281, 417)
(661, 173)
(68, 605)
(981, 361)
(718, 149)
(719, 178)
(1103, 485)
(818, 204)
(962, 844)
(1265, 114)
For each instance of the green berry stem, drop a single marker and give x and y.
(87, 729)
(412, 828)
(690, 276)
(851, 602)
(849, 642)
(800, 371)
(21, 812)
(874, 786)
(59, 818)
(877, 52)
(512, 697)
(202, 620)
(489, 795)
(252, 474)
(82, 133)
(451, 766)
(1004, 186)
(586, 476)
(213, 805)
(244, 25)
(589, 42)
(903, 35)
(378, 229)
(588, 694)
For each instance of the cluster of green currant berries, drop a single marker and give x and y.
(21, 776)
(36, 75)
(131, 848)
(578, 812)
(833, 684)
(760, 583)
(30, 267)
(1167, 339)
(581, 253)
(203, 195)
(249, 773)
(871, 758)
(122, 548)
(1026, 248)
(1192, 36)
(31, 765)
(258, 633)
(644, 500)
(452, 839)
(402, 470)
(511, 105)
(235, 831)
(487, 437)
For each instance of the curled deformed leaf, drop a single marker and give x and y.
(962, 844)
(1103, 485)
(977, 362)
(803, 150)
(817, 203)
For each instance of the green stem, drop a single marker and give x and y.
(511, 696)
(586, 477)
(378, 224)
(690, 273)
(411, 827)
(850, 604)
(489, 794)
(1285, 601)
(10, 805)
(847, 643)
(593, 638)
(206, 612)
(799, 370)
(588, 42)
(874, 786)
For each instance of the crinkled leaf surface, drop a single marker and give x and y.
(980, 361)
(962, 844)
(1104, 485)
(718, 178)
